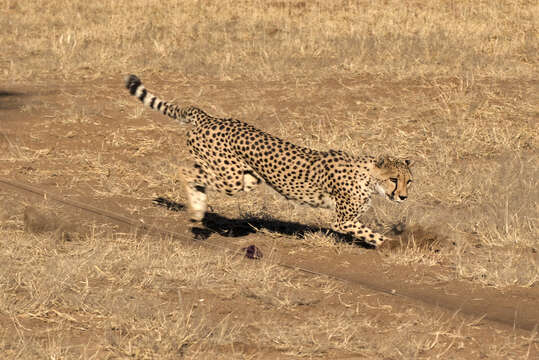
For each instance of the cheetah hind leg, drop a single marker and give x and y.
(250, 181)
(195, 187)
(360, 231)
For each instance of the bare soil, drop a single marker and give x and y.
(89, 142)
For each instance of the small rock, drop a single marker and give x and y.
(252, 252)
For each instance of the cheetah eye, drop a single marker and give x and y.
(409, 182)
(395, 180)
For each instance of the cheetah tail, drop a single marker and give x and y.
(135, 87)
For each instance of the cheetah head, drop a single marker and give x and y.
(394, 178)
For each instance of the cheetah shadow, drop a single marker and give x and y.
(215, 223)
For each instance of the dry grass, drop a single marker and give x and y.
(127, 296)
(276, 40)
(449, 84)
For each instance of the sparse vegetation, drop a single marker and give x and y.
(450, 84)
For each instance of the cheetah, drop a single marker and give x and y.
(232, 156)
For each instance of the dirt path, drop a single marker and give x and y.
(64, 143)
(513, 308)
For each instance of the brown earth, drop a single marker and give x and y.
(88, 143)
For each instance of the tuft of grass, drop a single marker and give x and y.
(450, 85)
(137, 296)
(275, 41)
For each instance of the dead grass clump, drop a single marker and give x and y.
(261, 40)
(451, 85)
(10, 210)
(416, 237)
(498, 267)
(37, 222)
(411, 244)
(41, 221)
(138, 296)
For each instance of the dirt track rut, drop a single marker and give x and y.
(513, 307)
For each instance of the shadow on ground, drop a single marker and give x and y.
(215, 223)
(10, 100)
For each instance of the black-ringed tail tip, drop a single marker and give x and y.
(183, 114)
(132, 82)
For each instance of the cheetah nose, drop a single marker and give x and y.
(403, 197)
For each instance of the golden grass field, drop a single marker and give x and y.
(452, 85)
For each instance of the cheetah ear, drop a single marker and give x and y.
(380, 162)
(409, 163)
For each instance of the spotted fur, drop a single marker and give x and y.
(232, 156)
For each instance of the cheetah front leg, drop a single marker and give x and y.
(347, 221)
(359, 231)
(195, 182)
